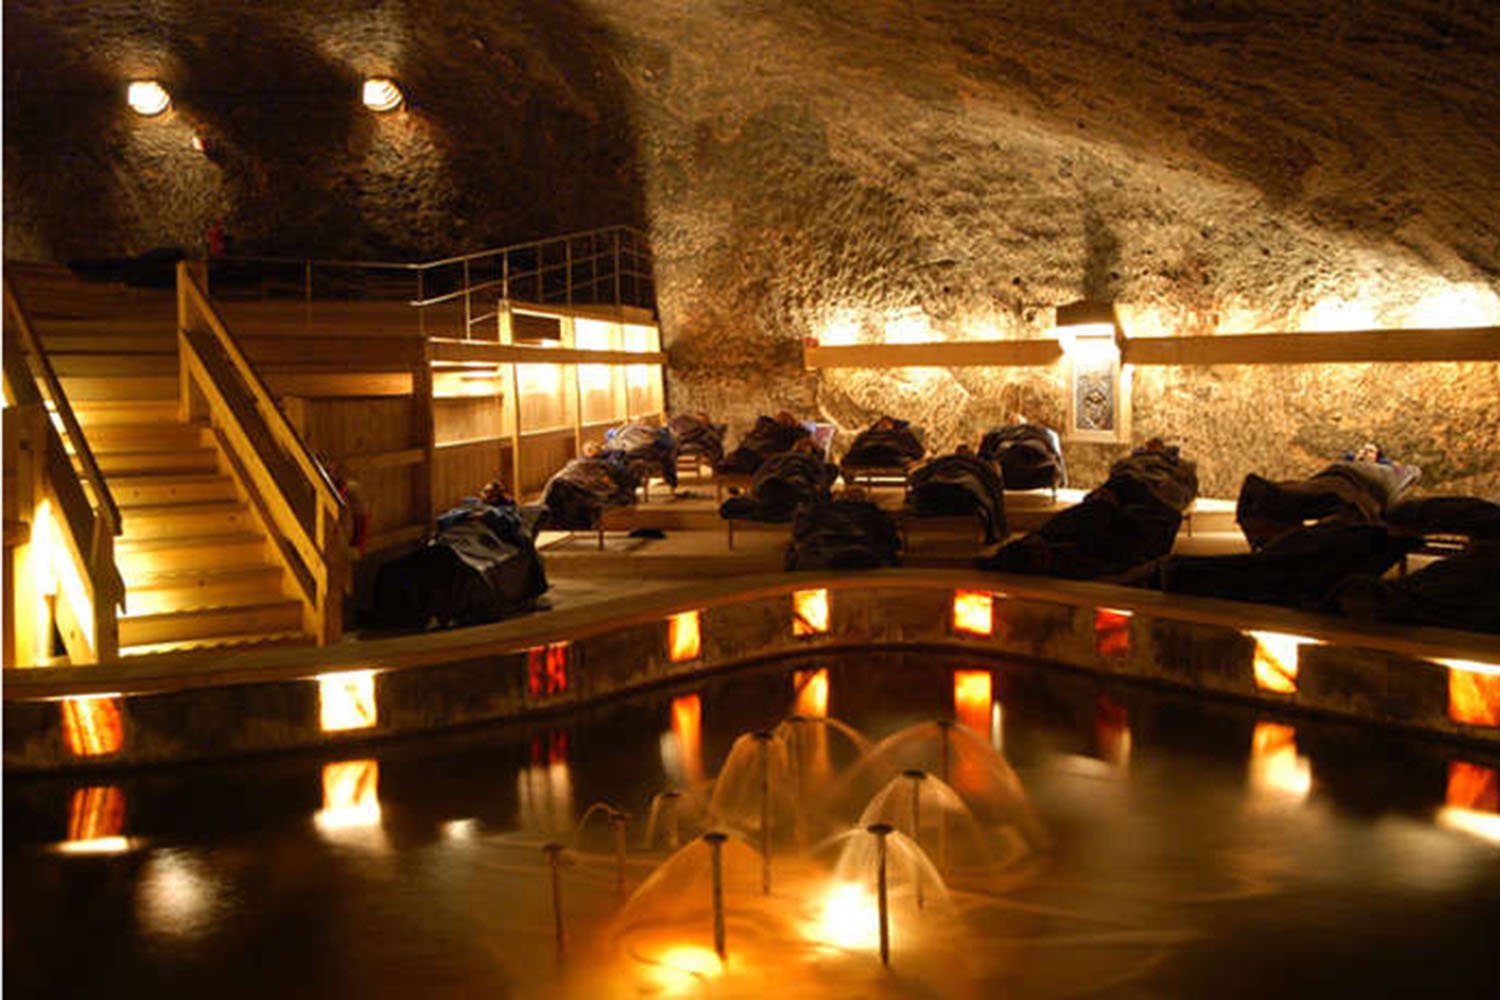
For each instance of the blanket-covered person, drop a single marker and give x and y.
(960, 484)
(698, 435)
(1129, 521)
(1030, 455)
(580, 490)
(644, 449)
(781, 483)
(888, 443)
(480, 565)
(1461, 591)
(1357, 489)
(770, 436)
(848, 532)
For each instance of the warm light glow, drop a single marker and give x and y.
(351, 795)
(682, 968)
(974, 612)
(347, 700)
(687, 736)
(972, 696)
(54, 572)
(1276, 660)
(1456, 306)
(547, 670)
(841, 331)
(1086, 338)
(539, 380)
(461, 829)
(684, 638)
(909, 328)
(1112, 631)
(1112, 731)
(812, 693)
(1473, 801)
(810, 612)
(96, 821)
(381, 94)
(1336, 315)
(147, 97)
(849, 917)
(544, 790)
(1275, 765)
(93, 725)
(1473, 692)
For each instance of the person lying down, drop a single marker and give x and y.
(781, 483)
(770, 436)
(957, 485)
(580, 491)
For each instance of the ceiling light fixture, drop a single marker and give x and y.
(382, 94)
(148, 98)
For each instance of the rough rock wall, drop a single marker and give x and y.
(848, 171)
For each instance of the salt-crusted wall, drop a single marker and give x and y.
(853, 172)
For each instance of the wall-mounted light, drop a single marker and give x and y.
(93, 725)
(1473, 692)
(381, 94)
(810, 612)
(347, 700)
(1276, 660)
(147, 97)
(974, 612)
(684, 637)
(1098, 384)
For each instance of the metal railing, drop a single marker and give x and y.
(599, 267)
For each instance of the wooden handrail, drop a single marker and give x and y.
(48, 377)
(281, 429)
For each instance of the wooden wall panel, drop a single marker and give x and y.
(358, 426)
(468, 418)
(460, 470)
(390, 498)
(541, 456)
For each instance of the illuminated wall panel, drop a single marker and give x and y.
(547, 670)
(1111, 632)
(974, 612)
(93, 726)
(347, 700)
(810, 612)
(1473, 693)
(1276, 660)
(684, 636)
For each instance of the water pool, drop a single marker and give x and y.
(1161, 845)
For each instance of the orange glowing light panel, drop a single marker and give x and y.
(347, 700)
(1474, 694)
(684, 636)
(687, 727)
(1473, 787)
(92, 726)
(812, 693)
(1276, 661)
(351, 794)
(1112, 632)
(974, 612)
(810, 612)
(96, 813)
(547, 670)
(972, 696)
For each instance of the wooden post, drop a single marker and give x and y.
(424, 430)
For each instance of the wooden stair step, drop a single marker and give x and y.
(224, 642)
(154, 593)
(138, 491)
(147, 436)
(138, 558)
(113, 366)
(102, 388)
(205, 623)
(125, 411)
(169, 520)
(156, 462)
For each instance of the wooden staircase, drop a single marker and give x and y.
(198, 566)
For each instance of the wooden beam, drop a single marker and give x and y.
(484, 351)
(376, 461)
(943, 354)
(1349, 347)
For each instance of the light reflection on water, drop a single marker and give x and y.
(1157, 870)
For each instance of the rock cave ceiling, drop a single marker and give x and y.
(805, 165)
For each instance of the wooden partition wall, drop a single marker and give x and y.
(421, 422)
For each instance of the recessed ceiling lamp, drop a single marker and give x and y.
(382, 94)
(147, 97)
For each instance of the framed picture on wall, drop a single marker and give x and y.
(1098, 392)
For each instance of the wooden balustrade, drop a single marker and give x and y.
(288, 487)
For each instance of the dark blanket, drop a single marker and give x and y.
(1462, 591)
(580, 490)
(957, 485)
(1299, 569)
(1030, 456)
(481, 566)
(843, 534)
(1348, 492)
(885, 448)
(1468, 516)
(1129, 521)
(780, 484)
(768, 437)
(698, 437)
(644, 449)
